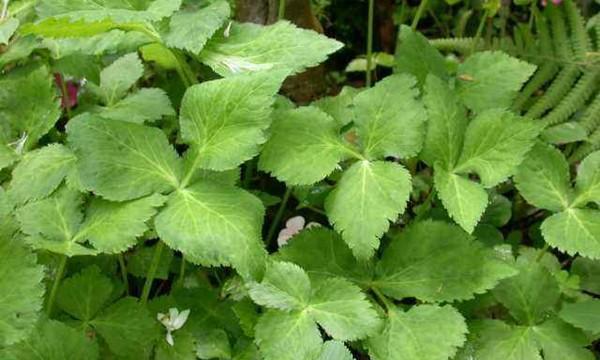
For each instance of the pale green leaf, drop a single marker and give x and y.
(464, 199)
(118, 77)
(334, 350)
(565, 133)
(574, 231)
(496, 142)
(123, 161)
(414, 55)
(491, 79)
(7, 29)
(189, 30)
(225, 119)
(214, 224)
(111, 42)
(40, 172)
(65, 27)
(339, 107)
(368, 196)
(425, 332)
(250, 47)
(588, 180)
(305, 146)
(560, 341)
(584, 314)
(21, 288)
(496, 340)
(389, 118)
(145, 105)
(121, 11)
(84, 294)
(285, 287)
(438, 261)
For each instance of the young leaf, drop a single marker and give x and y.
(425, 332)
(491, 79)
(305, 146)
(437, 261)
(84, 294)
(122, 161)
(588, 180)
(584, 315)
(249, 47)
(285, 287)
(574, 231)
(414, 55)
(146, 105)
(119, 76)
(368, 196)
(225, 119)
(389, 118)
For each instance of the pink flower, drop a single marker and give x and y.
(555, 2)
(70, 98)
(292, 227)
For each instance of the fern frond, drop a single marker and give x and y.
(544, 74)
(458, 45)
(555, 92)
(586, 148)
(579, 38)
(575, 99)
(590, 119)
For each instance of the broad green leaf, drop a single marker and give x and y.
(464, 199)
(53, 340)
(40, 172)
(123, 161)
(446, 124)
(68, 28)
(368, 196)
(543, 178)
(121, 11)
(159, 54)
(214, 224)
(491, 79)
(7, 29)
(496, 340)
(84, 294)
(496, 142)
(21, 288)
(584, 315)
(20, 48)
(588, 180)
(29, 106)
(249, 47)
(530, 294)
(560, 341)
(334, 350)
(213, 344)
(498, 212)
(285, 287)
(146, 105)
(438, 261)
(342, 310)
(414, 55)
(225, 119)
(7, 156)
(111, 42)
(119, 76)
(389, 118)
(339, 107)
(425, 332)
(574, 231)
(128, 329)
(189, 30)
(287, 336)
(113, 227)
(305, 146)
(588, 272)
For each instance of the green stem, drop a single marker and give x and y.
(181, 271)
(420, 10)
(278, 215)
(67, 98)
(281, 12)
(123, 272)
(57, 278)
(479, 31)
(249, 173)
(152, 272)
(542, 253)
(384, 300)
(370, 41)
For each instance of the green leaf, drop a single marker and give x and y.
(21, 288)
(588, 180)
(40, 172)
(53, 340)
(128, 329)
(7, 29)
(120, 11)
(334, 350)
(339, 107)
(118, 77)
(225, 119)
(84, 294)
(543, 178)
(560, 341)
(584, 314)
(342, 310)
(183, 349)
(7, 156)
(113, 227)
(588, 272)
(496, 142)
(146, 105)
(496, 340)
(389, 118)
(68, 28)
(368, 196)
(190, 30)
(122, 161)
(464, 199)
(213, 344)
(140, 260)
(491, 79)
(446, 125)
(214, 224)
(249, 47)
(425, 332)
(574, 231)
(530, 294)
(437, 261)
(305, 146)
(414, 55)
(564, 133)
(285, 287)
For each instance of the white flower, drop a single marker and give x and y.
(293, 226)
(227, 29)
(174, 320)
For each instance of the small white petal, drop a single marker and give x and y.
(170, 340)
(180, 319)
(173, 313)
(312, 224)
(295, 223)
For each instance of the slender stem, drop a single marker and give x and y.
(123, 272)
(479, 31)
(66, 97)
(278, 215)
(384, 300)
(152, 271)
(4, 13)
(420, 11)
(181, 277)
(370, 41)
(281, 12)
(542, 253)
(57, 278)
(249, 173)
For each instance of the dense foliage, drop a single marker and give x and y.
(156, 184)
